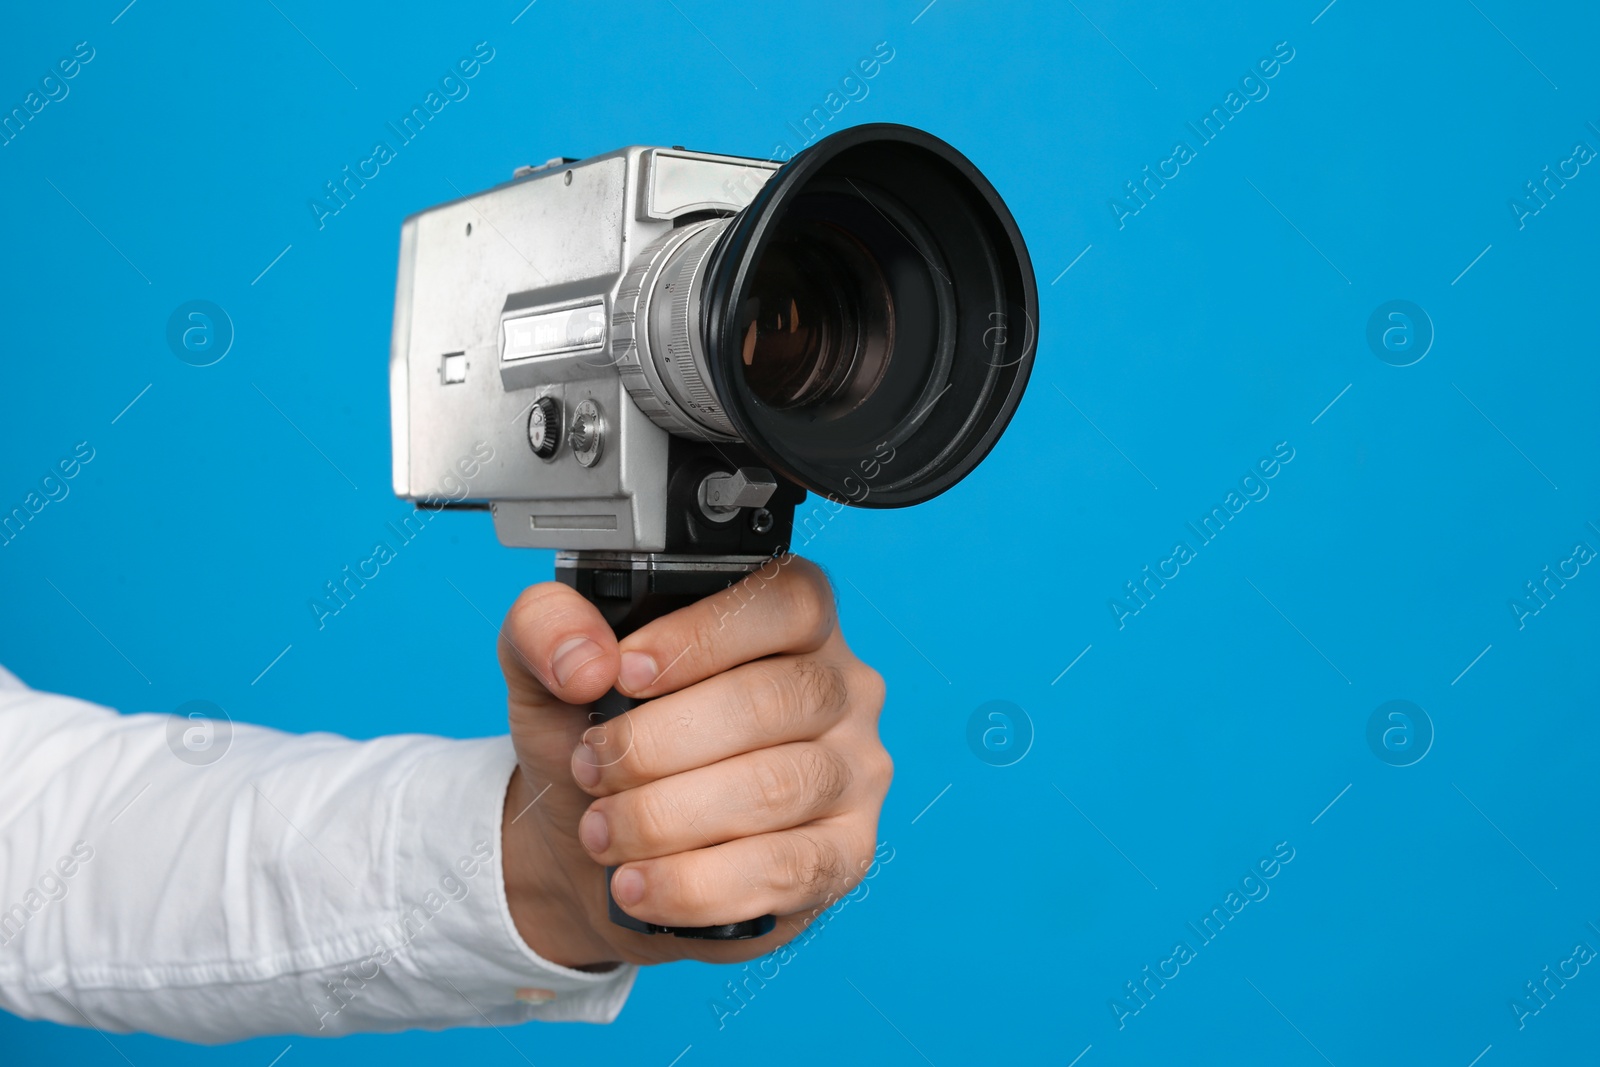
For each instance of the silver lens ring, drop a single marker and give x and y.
(656, 342)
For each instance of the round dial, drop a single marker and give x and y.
(544, 426)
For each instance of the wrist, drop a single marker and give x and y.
(545, 899)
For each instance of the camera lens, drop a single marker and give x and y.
(866, 325)
(868, 322)
(818, 325)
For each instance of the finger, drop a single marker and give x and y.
(769, 702)
(772, 874)
(756, 793)
(556, 647)
(785, 605)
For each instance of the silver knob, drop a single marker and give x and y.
(587, 435)
(544, 426)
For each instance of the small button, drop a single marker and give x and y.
(453, 368)
(535, 996)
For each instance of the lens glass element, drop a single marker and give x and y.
(818, 325)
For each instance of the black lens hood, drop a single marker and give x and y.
(978, 315)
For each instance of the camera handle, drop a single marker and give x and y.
(631, 589)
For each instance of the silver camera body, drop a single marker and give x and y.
(521, 322)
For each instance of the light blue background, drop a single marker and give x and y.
(1207, 330)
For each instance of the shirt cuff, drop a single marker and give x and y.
(455, 921)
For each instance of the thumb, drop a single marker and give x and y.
(555, 648)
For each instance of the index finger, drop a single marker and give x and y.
(784, 606)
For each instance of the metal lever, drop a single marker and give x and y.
(723, 494)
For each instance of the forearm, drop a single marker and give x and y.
(300, 884)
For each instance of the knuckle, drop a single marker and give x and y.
(637, 758)
(809, 865)
(881, 769)
(649, 818)
(787, 695)
(776, 702)
(803, 780)
(534, 607)
(826, 776)
(526, 606)
(691, 892)
(823, 686)
(621, 751)
(777, 783)
(870, 686)
(705, 634)
(865, 854)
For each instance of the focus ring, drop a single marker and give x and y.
(662, 373)
(673, 318)
(625, 342)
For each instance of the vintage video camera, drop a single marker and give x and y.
(667, 349)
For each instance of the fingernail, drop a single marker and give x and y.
(572, 654)
(628, 886)
(594, 831)
(586, 767)
(638, 671)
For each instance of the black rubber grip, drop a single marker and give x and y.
(628, 599)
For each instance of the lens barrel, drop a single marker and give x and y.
(866, 325)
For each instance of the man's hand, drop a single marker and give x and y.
(749, 783)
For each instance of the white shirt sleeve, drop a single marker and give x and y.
(297, 885)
